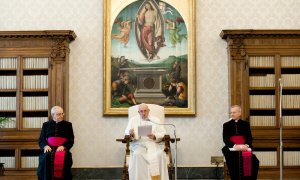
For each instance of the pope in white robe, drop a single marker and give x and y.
(147, 156)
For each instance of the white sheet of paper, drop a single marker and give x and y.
(232, 149)
(144, 130)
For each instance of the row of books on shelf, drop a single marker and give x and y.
(291, 101)
(29, 103)
(262, 101)
(271, 121)
(29, 161)
(28, 122)
(290, 61)
(261, 61)
(30, 82)
(290, 80)
(262, 81)
(26, 161)
(35, 103)
(291, 158)
(291, 120)
(9, 162)
(268, 61)
(268, 101)
(8, 63)
(29, 63)
(262, 120)
(8, 103)
(8, 82)
(266, 158)
(35, 82)
(269, 158)
(36, 63)
(34, 122)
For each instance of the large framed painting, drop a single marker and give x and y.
(149, 55)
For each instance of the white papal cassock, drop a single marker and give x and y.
(147, 157)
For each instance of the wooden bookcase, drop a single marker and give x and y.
(257, 60)
(33, 78)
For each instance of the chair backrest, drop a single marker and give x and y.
(155, 110)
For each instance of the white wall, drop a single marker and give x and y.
(201, 136)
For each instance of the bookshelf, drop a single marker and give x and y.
(257, 60)
(33, 78)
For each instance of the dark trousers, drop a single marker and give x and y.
(234, 161)
(45, 168)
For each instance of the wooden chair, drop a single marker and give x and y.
(1, 169)
(157, 111)
(226, 172)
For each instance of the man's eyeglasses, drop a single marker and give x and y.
(59, 114)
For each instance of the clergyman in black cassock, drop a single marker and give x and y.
(234, 160)
(55, 128)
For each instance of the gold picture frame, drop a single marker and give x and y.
(149, 55)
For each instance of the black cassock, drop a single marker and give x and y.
(52, 129)
(234, 159)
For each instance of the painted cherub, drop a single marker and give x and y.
(174, 31)
(124, 31)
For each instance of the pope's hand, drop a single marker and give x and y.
(131, 132)
(152, 136)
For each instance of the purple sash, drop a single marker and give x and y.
(59, 155)
(247, 155)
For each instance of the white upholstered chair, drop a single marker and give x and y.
(157, 111)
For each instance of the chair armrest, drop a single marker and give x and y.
(168, 138)
(126, 139)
